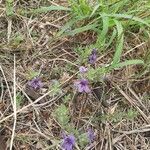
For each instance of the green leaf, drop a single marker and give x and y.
(62, 115)
(119, 45)
(55, 86)
(83, 140)
(102, 37)
(66, 27)
(131, 114)
(9, 8)
(31, 74)
(97, 74)
(80, 8)
(105, 27)
(128, 62)
(19, 99)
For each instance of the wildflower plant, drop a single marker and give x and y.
(93, 56)
(119, 115)
(85, 139)
(96, 74)
(62, 115)
(68, 142)
(83, 69)
(32, 74)
(84, 53)
(35, 83)
(19, 99)
(91, 135)
(55, 85)
(82, 86)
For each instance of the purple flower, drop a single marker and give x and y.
(83, 69)
(91, 135)
(35, 83)
(82, 86)
(68, 142)
(93, 56)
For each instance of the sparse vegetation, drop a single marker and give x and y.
(75, 74)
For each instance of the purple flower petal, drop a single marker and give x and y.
(83, 69)
(82, 86)
(93, 56)
(94, 51)
(68, 142)
(91, 135)
(87, 89)
(35, 83)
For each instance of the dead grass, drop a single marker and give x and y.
(32, 40)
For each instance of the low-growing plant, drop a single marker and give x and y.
(118, 116)
(83, 140)
(62, 115)
(66, 98)
(97, 74)
(32, 74)
(16, 40)
(19, 99)
(9, 8)
(55, 85)
(131, 114)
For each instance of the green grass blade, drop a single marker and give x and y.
(112, 38)
(94, 10)
(119, 45)
(68, 25)
(102, 36)
(82, 29)
(128, 62)
(45, 9)
(125, 16)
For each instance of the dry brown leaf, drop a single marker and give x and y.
(112, 109)
(64, 77)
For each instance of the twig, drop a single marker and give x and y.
(14, 107)
(134, 48)
(2, 90)
(9, 29)
(140, 130)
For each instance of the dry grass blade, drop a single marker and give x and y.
(6, 84)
